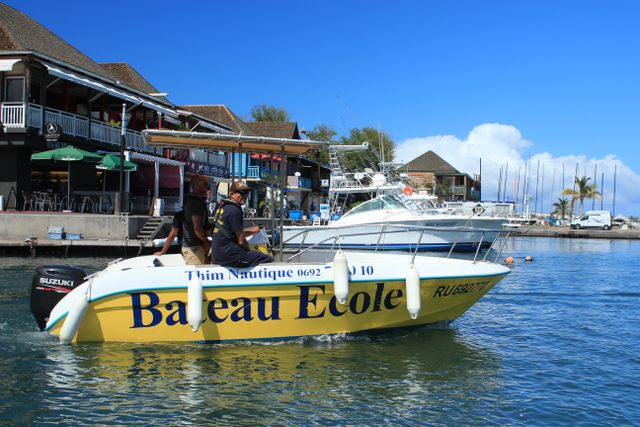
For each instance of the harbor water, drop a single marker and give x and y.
(556, 343)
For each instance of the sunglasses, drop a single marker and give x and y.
(243, 193)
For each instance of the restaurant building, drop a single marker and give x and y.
(52, 95)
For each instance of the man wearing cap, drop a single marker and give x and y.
(195, 245)
(229, 246)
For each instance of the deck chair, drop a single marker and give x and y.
(27, 200)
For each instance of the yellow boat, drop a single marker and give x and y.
(154, 299)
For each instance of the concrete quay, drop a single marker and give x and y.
(67, 248)
(566, 232)
(26, 233)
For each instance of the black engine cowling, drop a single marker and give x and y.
(49, 285)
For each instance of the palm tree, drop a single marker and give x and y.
(584, 191)
(561, 207)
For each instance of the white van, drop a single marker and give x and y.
(593, 219)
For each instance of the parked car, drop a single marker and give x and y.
(619, 221)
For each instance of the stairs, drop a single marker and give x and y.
(151, 228)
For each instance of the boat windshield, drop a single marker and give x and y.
(424, 205)
(379, 203)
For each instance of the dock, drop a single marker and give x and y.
(121, 236)
(569, 233)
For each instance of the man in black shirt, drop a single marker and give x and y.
(229, 246)
(195, 245)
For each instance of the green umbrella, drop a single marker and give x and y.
(111, 162)
(67, 154)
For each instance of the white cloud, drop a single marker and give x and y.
(503, 146)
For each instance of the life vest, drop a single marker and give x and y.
(219, 226)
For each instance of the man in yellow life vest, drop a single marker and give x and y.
(229, 246)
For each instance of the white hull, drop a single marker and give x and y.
(139, 300)
(420, 234)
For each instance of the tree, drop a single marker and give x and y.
(322, 132)
(269, 113)
(372, 157)
(561, 207)
(584, 191)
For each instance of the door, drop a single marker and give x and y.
(14, 89)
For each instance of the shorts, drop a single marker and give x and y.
(194, 255)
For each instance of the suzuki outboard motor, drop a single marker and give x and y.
(49, 285)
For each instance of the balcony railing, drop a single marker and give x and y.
(70, 123)
(458, 189)
(254, 172)
(12, 115)
(35, 116)
(73, 125)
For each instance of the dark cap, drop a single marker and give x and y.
(239, 187)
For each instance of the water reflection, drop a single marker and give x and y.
(517, 357)
(406, 374)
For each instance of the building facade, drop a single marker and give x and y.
(431, 172)
(52, 95)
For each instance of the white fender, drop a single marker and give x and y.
(340, 277)
(413, 291)
(194, 302)
(74, 318)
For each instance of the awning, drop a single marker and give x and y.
(151, 159)
(171, 120)
(67, 75)
(211, 127)
(7, 64)
(159, 108)
(230, 142)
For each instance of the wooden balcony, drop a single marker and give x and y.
(20, 115)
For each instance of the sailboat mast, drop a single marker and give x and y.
(602, 191)
(499, 182)
(595, 184)
(504, 183)
(615, 173)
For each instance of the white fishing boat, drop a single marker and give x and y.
(394, 218)
(391, 222)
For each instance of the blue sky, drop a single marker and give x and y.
(511, 82)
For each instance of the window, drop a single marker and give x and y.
(14, 89)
